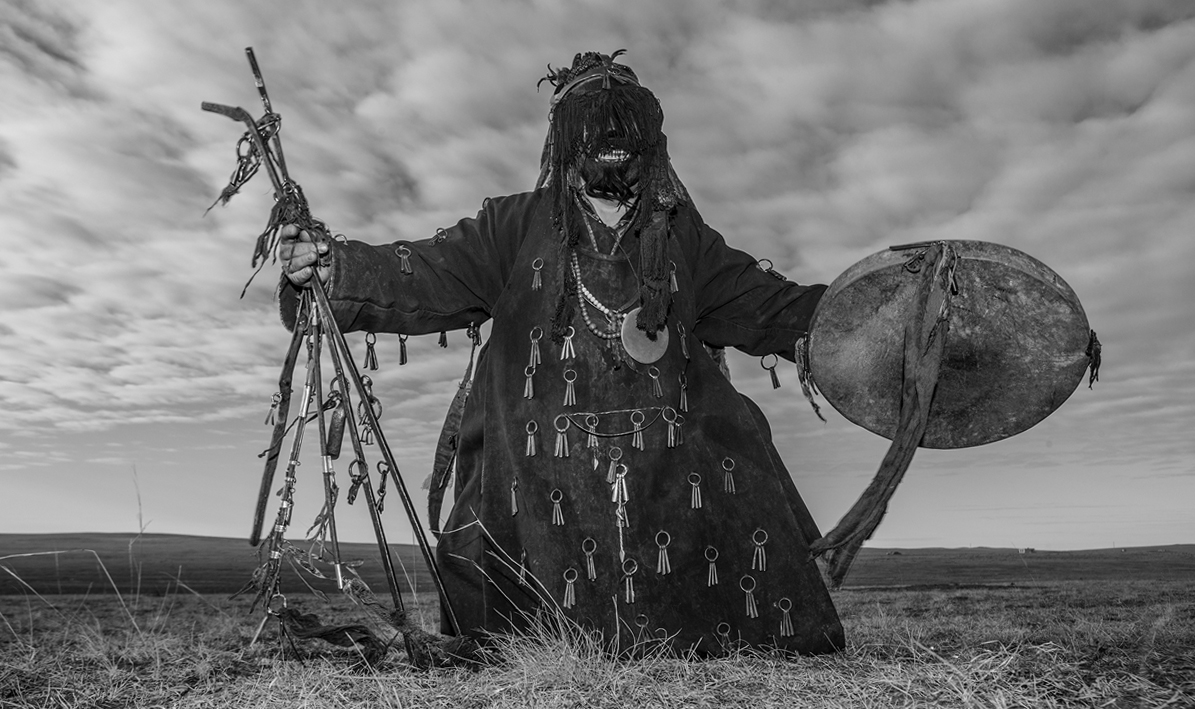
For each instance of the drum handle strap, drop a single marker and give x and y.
(925, 338)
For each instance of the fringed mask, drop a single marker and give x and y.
(605, 137)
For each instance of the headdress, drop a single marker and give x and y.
(619, 101)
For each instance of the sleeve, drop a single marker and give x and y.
(743, 306)
(446, 282)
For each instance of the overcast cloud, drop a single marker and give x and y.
(812, 137)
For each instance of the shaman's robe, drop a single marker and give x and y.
(670, 514)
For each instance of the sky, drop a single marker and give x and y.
(134, 379)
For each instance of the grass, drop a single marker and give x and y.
(1059, 644)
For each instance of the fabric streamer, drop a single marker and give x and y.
(925, 337)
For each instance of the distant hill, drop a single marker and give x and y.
(157, 563)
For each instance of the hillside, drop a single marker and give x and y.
(155, 563)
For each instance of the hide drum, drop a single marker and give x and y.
(1015, 350)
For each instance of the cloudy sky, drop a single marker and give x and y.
(134, 382)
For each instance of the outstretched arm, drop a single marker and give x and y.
(743, 306)
(447, 282)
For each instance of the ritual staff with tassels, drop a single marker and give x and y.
(603, 284)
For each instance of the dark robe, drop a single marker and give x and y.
(505, 549)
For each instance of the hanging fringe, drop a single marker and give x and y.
(925, 338)
(1094, 350)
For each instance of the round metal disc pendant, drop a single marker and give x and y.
(636, 343)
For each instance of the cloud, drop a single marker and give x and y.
(812, 134)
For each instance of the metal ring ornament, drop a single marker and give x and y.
(589, 546)
(775, 361)
(615, 454)
(532, 428)
(711, 557)
(743, 581)
(569, 379)
(761, 265)
(537, 333)
(755, 536)
(722, 628)
(556, 496)
(567, 422)
(695, 480)
(667, 539)
(370, 338)
(642, 621)
(637, 417)
(664, 415)
(403, 251)
(728, 464)
(270, 604)
(529, 370)
(537, 264)
(784, 604)
(566, 576)
(630, 570)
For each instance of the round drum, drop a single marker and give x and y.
(1015, 350)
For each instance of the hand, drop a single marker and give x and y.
(300, 255)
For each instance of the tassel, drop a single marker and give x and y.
(588, 547)
(618, 489)
(1094, 355)
(529, 387)
(669, 415)
(570, 389)
(371, 354)
(523, 566)
(759, 560)
(684, 392)
(557, 513)
(711, 555)
(561, 425)
(805, 376)
(663, 566)
(570, 590)
(786, 621)
(567, 351)
(672, 277)
(684, 340)
(514, 498)
(637, 419)
(615, 456)
(271, 417)
(752, 610)
(695, 496)
(654, 373)
(771, 369)
(591, 422)
(443, 338)
(728, 476)
(537, 282)
(629, 567)
(680, 430)
(402, 349)
(537, 333)
(404, 259)
(532, 427)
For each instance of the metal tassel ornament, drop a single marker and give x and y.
(711, 555)
(402, 349)
(570, 589)
(371, 354)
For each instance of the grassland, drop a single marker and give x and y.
(973, 628)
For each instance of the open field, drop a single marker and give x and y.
(154, 563)
(967, 627)
(1068, 644)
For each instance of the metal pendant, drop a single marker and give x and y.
(636, 343)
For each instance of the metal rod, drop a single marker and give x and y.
(412, 515)
(328, 472)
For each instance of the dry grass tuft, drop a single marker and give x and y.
(1058, 645)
